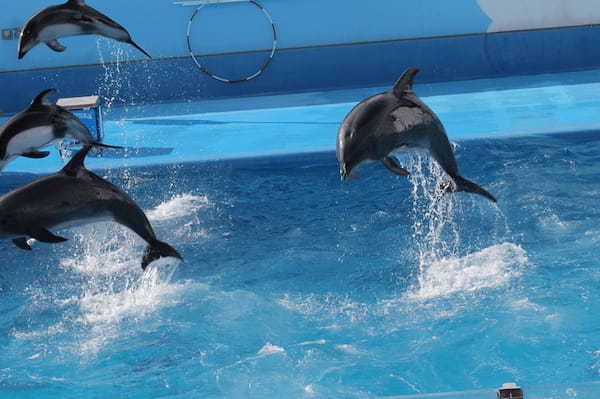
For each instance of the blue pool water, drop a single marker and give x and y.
(296, 285)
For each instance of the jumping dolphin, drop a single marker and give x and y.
(74, 196)
(39, 125)
(72, 18)
(397, 121)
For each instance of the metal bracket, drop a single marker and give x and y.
(11, 33)
(509, 390)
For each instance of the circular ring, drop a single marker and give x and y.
(217, 77)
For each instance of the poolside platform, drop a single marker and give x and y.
(304, 123)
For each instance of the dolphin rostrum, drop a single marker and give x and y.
(74, 196)
(398, 121)
(72, 18)
(41, 124)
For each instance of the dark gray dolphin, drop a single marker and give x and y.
(397, 121)
(74, 196)
(72, 18)
(40, 124)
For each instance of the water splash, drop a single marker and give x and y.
(435, 230)
(111, 84)
(181, 213)
(114, 288)
(108, 290)
(447, 261)
(491, 267)
(179, 206)
(121, 84)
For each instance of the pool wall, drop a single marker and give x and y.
(322, 45)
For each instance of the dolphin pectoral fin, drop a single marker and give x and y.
(21, 242)
(392, 166)
(462, 184)
(36, 154)
(43, 235)
(56, 46)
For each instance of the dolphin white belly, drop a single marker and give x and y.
(52, 32)
(30, 140)
(69, 224)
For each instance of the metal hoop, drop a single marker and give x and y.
(217, 77)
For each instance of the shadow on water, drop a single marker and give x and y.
(193, 122)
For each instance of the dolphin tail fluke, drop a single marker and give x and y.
(134, 44)
(21, 242)
(462, 184)
(157, 250)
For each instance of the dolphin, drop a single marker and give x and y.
(398, 121)
(41, 124)
(71, 197)
(72, 18)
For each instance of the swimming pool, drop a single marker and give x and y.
(298, 285)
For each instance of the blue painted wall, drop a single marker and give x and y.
(160, 27)
(447, 39)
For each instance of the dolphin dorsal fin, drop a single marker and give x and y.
(405, 82)
(76, 163)
(76, 2)
(41, 99)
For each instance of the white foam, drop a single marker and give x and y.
(526, 304)
(137, 299)
(270, 349)
(103, 309)
(326, 306)
(317, 342)
(488, 268)
(267, 350)
(177, 207)
(552, 221)
(52, 330)
(349, 349)
(114, 288)
(104, 249)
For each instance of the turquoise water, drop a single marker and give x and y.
(296, 284)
